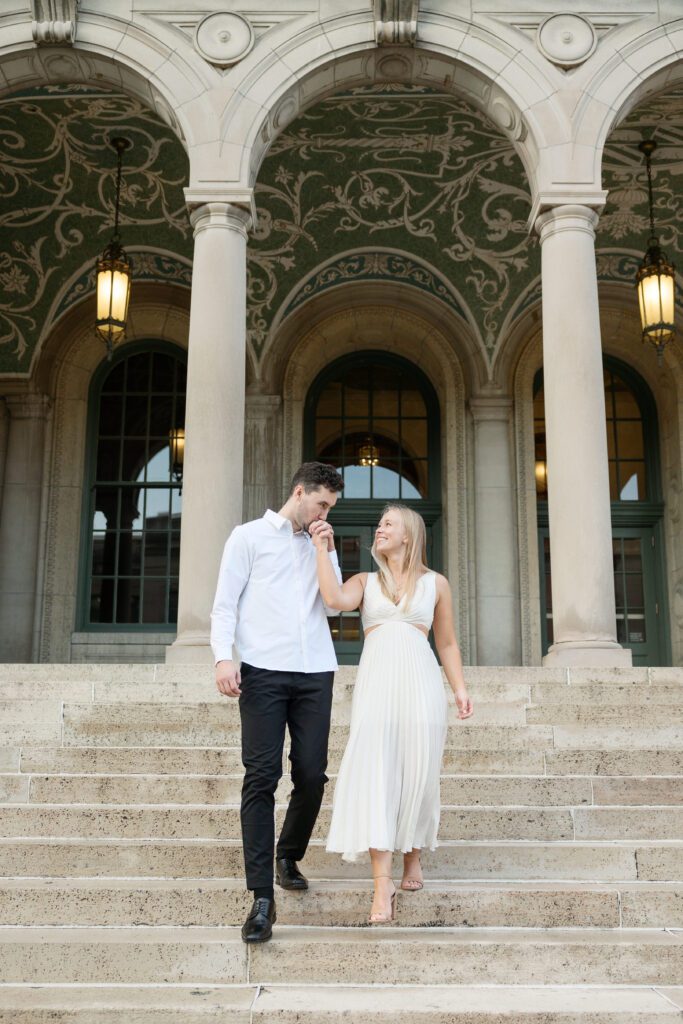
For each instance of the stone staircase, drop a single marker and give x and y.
(556, 895)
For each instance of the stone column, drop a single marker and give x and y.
(584, 618)
(214, 418)
(262, 483)
(498, 620)
(20, 524)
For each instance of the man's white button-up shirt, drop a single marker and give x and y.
(268, 603)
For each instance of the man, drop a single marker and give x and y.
(269, 606)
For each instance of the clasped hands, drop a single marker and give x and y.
(322, 535)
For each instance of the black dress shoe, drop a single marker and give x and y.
(258, 927)
(288, 874)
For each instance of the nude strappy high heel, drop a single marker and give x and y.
(385, 918)
(409, 884)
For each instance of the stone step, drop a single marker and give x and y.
(79, 902)
(302, 956)
(228, 761)
(361, 1004)
(457, 822)
(534, 790)
(598, 694)
(608, 860)
(642, 716)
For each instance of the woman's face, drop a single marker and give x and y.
(390, 535)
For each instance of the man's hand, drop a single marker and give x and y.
(322, 535)
(228, 679)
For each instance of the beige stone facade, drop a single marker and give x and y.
(228, 82)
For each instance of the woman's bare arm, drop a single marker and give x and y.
(448, 648)
(345, 598)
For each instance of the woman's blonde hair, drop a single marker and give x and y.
(414, 559)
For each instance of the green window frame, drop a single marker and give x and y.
(129, 570)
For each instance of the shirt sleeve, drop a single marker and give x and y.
(337, 571)
(232, 579)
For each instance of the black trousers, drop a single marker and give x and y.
(269, 702)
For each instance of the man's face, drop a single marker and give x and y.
(314, 506)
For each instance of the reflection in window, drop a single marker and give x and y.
(135, 505)
(371, 423)
(625, 441)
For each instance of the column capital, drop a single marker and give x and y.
(569, 217)
(220, 215)
(551, 199)
(28, 407)
(490, 407)
(242, 198)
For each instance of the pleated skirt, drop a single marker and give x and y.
(387, 793)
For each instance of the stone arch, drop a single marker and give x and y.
(70, 358)
(620, 331)
(153, 66)
(631, 65)
(336, 336)
(506, 78)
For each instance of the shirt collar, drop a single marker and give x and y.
(281, 522)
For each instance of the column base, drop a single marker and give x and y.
(190, 649)
(589, 653)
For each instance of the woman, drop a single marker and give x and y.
(387, 792)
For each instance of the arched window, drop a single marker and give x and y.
(636, 508)
(133, 499)
(376, 418)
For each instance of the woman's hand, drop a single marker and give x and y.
(322, 535)
(464, 702)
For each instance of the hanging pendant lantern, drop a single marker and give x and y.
(114, 273)
(655, 278)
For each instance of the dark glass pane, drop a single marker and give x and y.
(128, 601)
(349, 555)
(176, 505)
(163, 372)
(156, 508)
(98, 546)
(625, 401)
(539, 405)
(613, 485)
(101, 600)
(138, 372)
(611, 439)
(357, 393)
(386, 481)
(351, 626)
(356, 438)
(154, 607)
(135, 554)
(106, 505)
(619, 592)
(111, 411)
(634, 591)
(386, 436)
(633, 560)
(630, 438)
(632, 481)
(174, 563)
(414, 437)
(356, 481)
(637, 631)
(108, 460)
(548, 593)
(179, 418)
(385, 392)
(546, 554)
(115, 379)
(549, 630)
(132, 505)
(327, 437)
(173, 600)
(617, 554)
(181, 377)
(129, 554)
(330, 400)
(134, 459)
(161, 417)
(335, 626)
(158, 469)
(412, 403)
(156, 548)
(621, 629)
(135, 422)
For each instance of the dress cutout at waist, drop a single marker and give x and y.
(378, 609)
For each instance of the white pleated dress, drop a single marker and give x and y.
(387, 792)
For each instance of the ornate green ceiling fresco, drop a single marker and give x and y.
(401, 168)
(387, 182)
(57, 189)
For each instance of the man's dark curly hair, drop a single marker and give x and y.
(314, 475)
